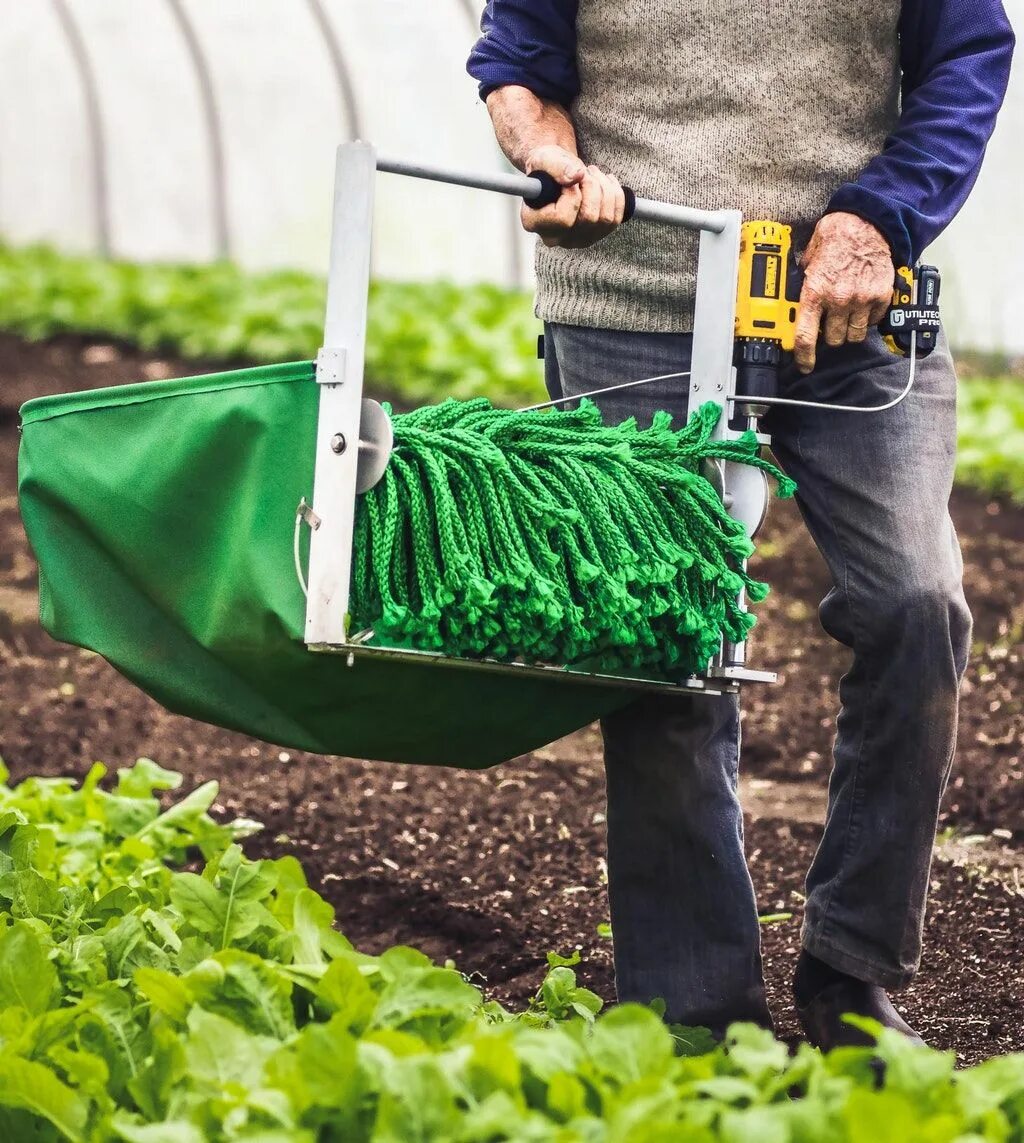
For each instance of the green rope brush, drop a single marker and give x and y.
(551, 537)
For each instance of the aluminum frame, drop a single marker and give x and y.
(339, 374)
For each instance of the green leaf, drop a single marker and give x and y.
(312, 921)
(110, 1029)
(891, 1117)
(220, 1052)
(425, 992)
(32, 1087)
(185, 817)
(254, 992)
(765, 1124)
(348, 994)
(630, 1042)
(417, 1103)
(30, 894)
(692, 1041)
(87, 1072)
(199, 903)
(27, 977)
(756, 1053)
(990, 1085)
(167, 993)
(228, 911)
(547, 1052)
(162, 1080)
(144, 778)
(320, 1073)
(560, 996)
(178, 1131)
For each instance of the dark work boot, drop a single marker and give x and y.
(822, 1016)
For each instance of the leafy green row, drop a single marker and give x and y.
(147, 1003)
(425, 341)
(991, 453)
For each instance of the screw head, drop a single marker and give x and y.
(338, 443)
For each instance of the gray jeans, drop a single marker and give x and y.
(874, 492)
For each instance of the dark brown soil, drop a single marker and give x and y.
(493, 869)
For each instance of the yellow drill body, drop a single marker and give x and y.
(767, 304)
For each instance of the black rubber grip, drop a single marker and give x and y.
(551, 192)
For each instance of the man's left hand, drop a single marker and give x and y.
(848, 283)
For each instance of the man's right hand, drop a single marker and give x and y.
(591, 206)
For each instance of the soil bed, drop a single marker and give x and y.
(494, 869)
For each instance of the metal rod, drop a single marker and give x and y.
(214, 131)
(741, 399)
(601, 392)
(829, 408)
(342, 77)
(95, 129)
(647, 210)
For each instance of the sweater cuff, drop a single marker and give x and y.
(882, 213)
(492, 75)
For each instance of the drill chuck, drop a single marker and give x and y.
(757, 367)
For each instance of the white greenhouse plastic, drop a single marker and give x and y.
(190, 130)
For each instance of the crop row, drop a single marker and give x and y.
(426, 341)
(156, 986)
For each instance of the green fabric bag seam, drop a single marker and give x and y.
(48, 408)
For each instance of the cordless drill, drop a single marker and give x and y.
(768, 309)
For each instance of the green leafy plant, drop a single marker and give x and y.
(991, 419)
(424, 341)
(147, 1002)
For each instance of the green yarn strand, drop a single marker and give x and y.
(550, 537)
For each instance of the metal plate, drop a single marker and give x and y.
(746, 495)
(695, 685)
(376, 440)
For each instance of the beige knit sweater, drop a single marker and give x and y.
(766, 106)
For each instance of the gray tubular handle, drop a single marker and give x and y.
(537, 191)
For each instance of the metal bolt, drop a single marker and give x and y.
(338, 443)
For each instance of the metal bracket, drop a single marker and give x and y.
(307, 515)
(330, 366)
(742, 675)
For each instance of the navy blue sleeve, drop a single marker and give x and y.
(956, 57)
(528, 43)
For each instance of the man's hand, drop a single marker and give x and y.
(592, 205)
(538, 135)
(848, 284)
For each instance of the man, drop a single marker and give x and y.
(862, 124)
